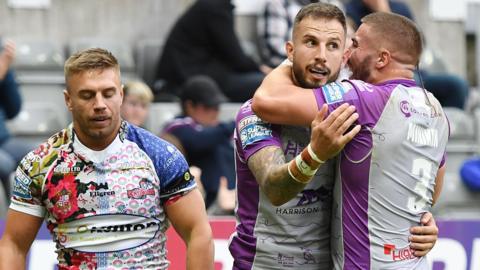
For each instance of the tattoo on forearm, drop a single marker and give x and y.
(269, 167)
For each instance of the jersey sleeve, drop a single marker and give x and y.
(368, 99)
(177, 179)
(335, 94)
(27, 186)
(173, 172)
(170, 165)
(253, 133)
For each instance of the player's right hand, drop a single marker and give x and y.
(331, 134)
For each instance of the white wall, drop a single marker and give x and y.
(124, 20)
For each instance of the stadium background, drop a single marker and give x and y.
(47, 31)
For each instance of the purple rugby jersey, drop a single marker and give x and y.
(295, 235)
(387, 172)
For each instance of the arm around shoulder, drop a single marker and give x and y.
(279, 101)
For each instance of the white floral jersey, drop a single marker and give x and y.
(105, 209)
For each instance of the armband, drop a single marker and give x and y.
(304, 166)
(313, 155)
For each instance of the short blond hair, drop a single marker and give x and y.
(138, 89)
(93, 58)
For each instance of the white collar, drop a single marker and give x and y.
(96, 156)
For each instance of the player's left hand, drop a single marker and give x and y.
(423, 237)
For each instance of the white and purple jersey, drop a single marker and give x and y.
(387, 172)
(295, 235)
(105, 209)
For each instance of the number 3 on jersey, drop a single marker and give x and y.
(421, 169)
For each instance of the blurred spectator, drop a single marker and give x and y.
(137, 97)
(449, 89)
(275, 26)
(11, 149)
(205, 142)
(357, 9)
(203, 42)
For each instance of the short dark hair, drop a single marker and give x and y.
(320, 11)
(201, 89)
(398, 33)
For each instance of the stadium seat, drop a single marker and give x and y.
(147, 54)
(38, 120)
(462, 124)
(456, 200)
(39, 62)
(39, 71)
(159, 114)
(38, 55)
(120, 49)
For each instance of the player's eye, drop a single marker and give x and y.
(333, 46)
(309, 43)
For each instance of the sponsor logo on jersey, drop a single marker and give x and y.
(405, 108)
(174, 157)
(146, 188)
(117, 228)
(107, 233)
(27, 161)
(422, 110)
(101, 193)
(21, 186)
(284, 260)
(187, 176)
(64, 168)
(293, 148)
(253, 129)
(398, 254)
(422, 136)
(333, 92)
(297, 211)
(310, 201)
(310, 196)
(63, 203)
(252, 119)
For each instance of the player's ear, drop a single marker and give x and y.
(122, 92)
(289, 49)
(68, 99)
(383, 59)
(346, 55)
